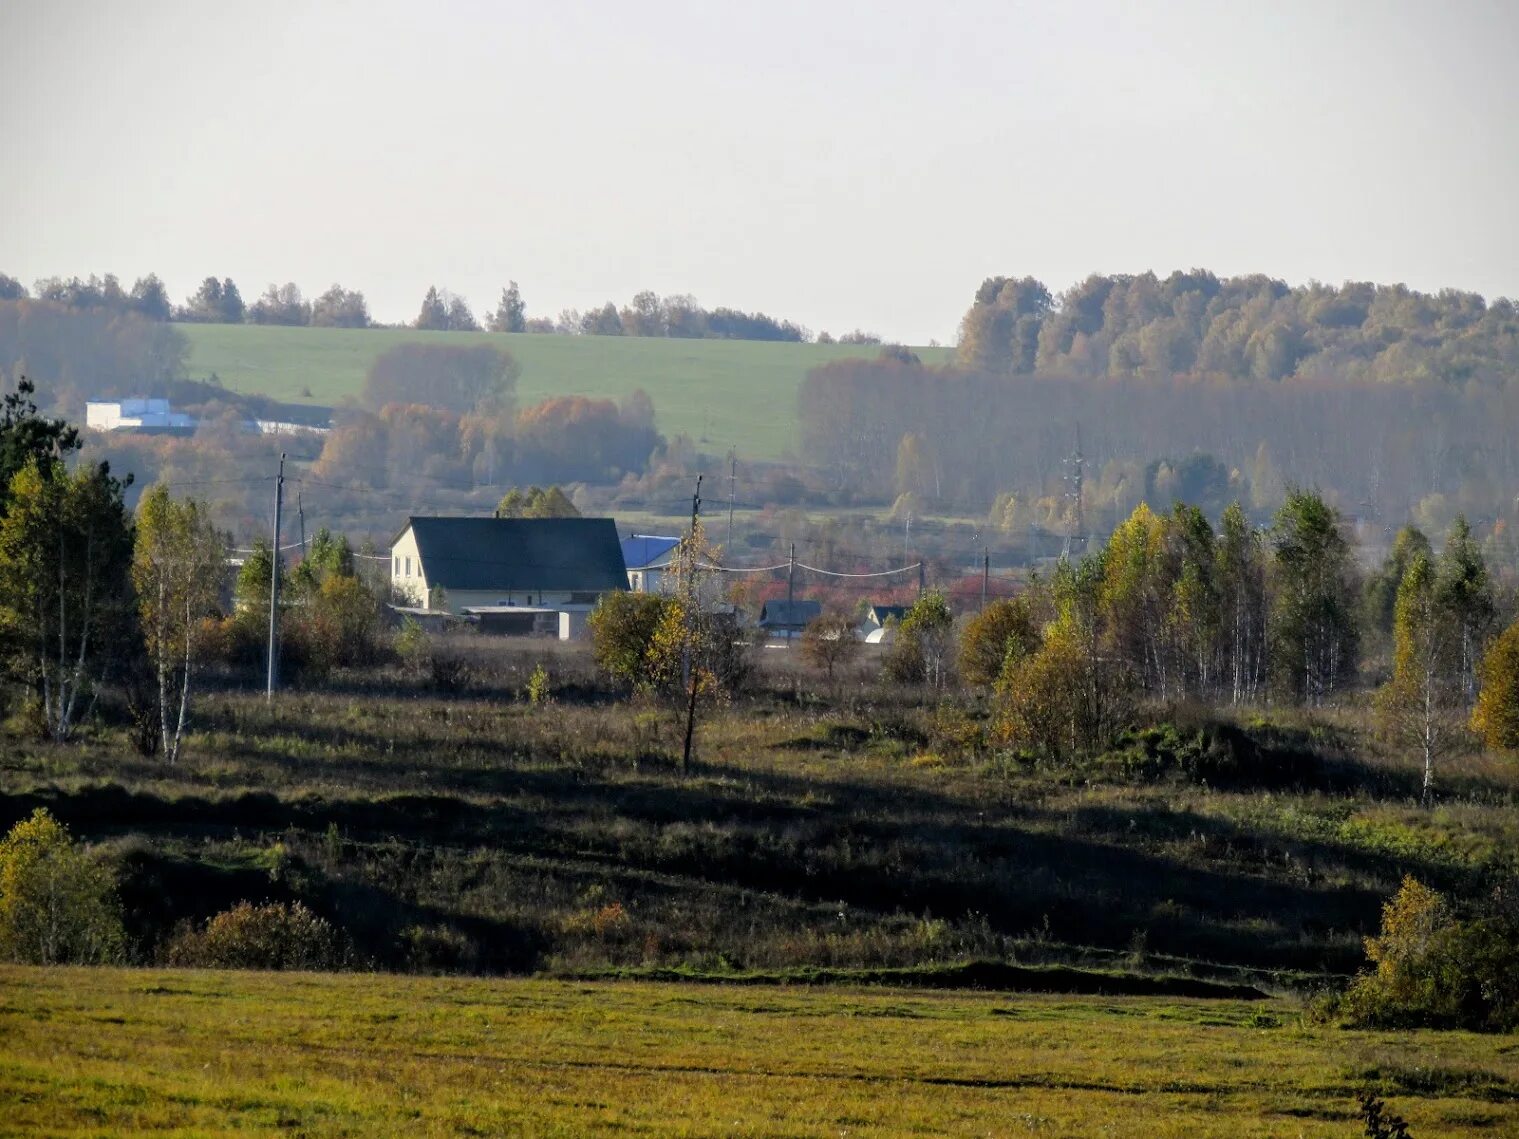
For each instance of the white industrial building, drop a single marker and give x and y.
(135, 415)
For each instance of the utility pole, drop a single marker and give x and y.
(300, 509)
(274, 584)
(732, 485)
(1076, 493)
(790, 591)
(693, 601)
(922, 579)
(986, 574)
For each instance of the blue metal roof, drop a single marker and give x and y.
(644, 550)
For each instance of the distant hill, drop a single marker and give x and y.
(722, 393)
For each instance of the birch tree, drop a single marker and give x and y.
(1242, 600)
(177, 565)
(1421, 706)
(65, 593)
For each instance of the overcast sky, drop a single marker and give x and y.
(837, 164)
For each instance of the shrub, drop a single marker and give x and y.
(438, 949)
(413, 646)
(622, 632)
(539, 687)
(57, 904)
(1435, 970)
(921, 651)
(271, 936)
(828, 643)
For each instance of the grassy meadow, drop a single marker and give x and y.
(850, 916)
(115, 1051)
(722, 393)
(469, 831)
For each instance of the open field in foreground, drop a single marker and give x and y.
(722, 393)
(109, 1051)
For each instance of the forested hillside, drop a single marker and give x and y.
(1398, 404)
(1240, 328)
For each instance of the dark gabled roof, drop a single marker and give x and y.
(883, 613)
(789, 614)
(580, 555)
(643, 550)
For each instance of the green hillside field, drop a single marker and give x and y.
(724, 394)
(126, 1052)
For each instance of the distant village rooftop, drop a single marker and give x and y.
(487, 563)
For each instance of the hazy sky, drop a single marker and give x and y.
(837, 164)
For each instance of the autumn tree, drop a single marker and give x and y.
(575, 438)
(1379, 599)
(57, 902)
(177, 568)
(1420, 706)
(1496, 716)
(459, 378)
(1195, 622)
(1006, 629)
(622, 628)
(1241, 575)
(828, 643)
(536, 502)
(924, 646)
(1134, 599)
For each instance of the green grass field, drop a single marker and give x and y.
(722, 393)
(113, 1052)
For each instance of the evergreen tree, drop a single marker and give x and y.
(1313, 628)
(28, 437)
(233, 310)
(434, 316)
(1465, 593)
(511, 313)
(1380, 598)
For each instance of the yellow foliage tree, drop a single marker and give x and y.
(1496, 716)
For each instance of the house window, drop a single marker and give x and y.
(408, 567)
(395, 567)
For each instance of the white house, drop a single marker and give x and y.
(493, 564)
(648, 559)
(135, 415)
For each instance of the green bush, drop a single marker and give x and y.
(57, 904)
(271, 936)
(438, 949)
